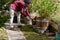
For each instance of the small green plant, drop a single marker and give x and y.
(45, 8)
(3, 18)
(2, 3)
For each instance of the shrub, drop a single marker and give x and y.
(3, 18)
(2, 3)
(46, 8)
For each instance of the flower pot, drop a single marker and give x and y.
(57, 36)
(42, 24)
(58, 32)
(59, 27)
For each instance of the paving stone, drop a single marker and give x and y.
(15, 35)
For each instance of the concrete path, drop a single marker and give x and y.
(15, 35)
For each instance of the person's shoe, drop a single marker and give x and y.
(11, 25)
(14, 29)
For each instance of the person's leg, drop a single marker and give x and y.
(19, 17)
(12, 16)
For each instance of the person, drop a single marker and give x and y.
(17, 6)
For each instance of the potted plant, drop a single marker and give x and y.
(46, 9)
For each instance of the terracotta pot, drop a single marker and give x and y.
(42, 24)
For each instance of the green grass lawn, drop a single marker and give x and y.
(30, 34)
(3, 34)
